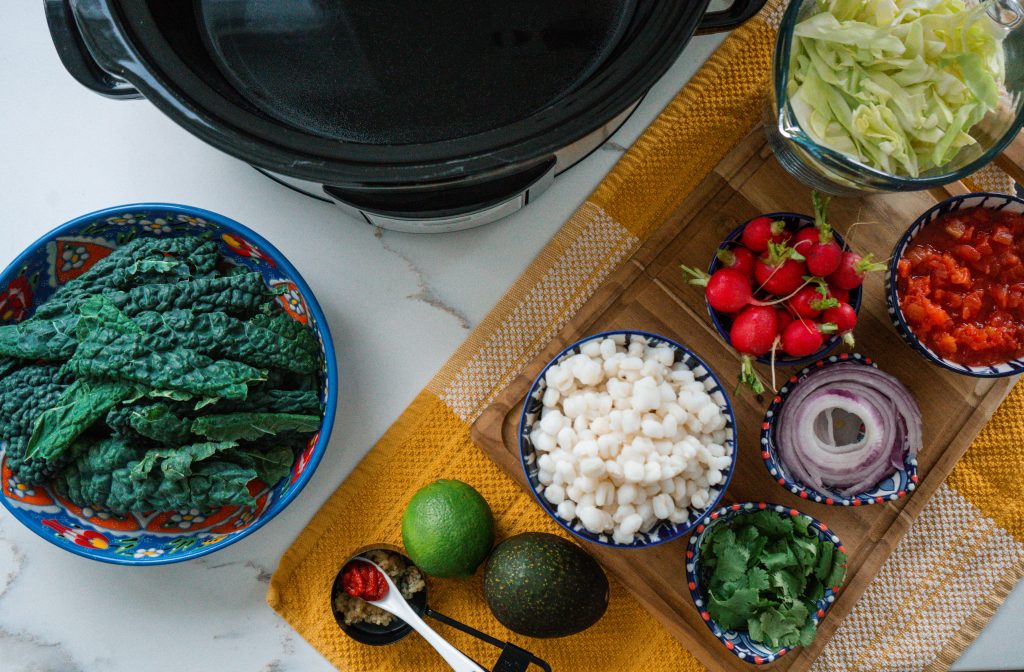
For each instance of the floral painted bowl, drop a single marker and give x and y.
(893, 487)
(794, 222)
(984, 199)
(664, 531)
(736, 641)
(162, 537)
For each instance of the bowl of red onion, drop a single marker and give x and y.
(843, 432)
(784, 288)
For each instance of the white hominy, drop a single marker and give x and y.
(628, 437)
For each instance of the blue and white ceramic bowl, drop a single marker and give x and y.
(979, 199)
(665, 531)
(155, 538)
(794, 222)
(737, 641)
(893, 487)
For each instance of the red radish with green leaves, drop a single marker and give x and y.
(809, 301)
(803, 338)
(852, 269)
(837, 293)
(845, 319)
(760, 231)
(823, 255)
(739, 259)
(727, 290)
(804, 238)
(782, 291)
(780, 270)
(753, 332)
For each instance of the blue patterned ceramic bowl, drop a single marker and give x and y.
(155, 538)
(737, 641)
(665, 531)
(979, 199)
(893, 487)
(794, 222)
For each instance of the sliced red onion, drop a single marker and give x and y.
(846, 427)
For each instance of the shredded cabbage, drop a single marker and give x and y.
(896, 84)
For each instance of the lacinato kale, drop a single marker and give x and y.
(239, 295)
(263, 344)
(175, 423)
(24, 396)
(153, 421)
(50, 333)
(130, 265)
(9, 365)
(252, 426)
(52, 340)
(107, 352)
(156, 382)
(80, 405)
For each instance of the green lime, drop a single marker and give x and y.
(448, 529)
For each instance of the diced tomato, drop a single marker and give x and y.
(1002, 236)
(955, 227)
(967, 253)
(961, 286)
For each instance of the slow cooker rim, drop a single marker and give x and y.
(468, 159)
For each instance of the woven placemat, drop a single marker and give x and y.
(931, 598)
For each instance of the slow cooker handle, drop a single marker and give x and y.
(732, 17)
(75, 56)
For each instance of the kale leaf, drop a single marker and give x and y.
(24, 396)
(121, 478)
(80, 405)
(116, 349)
(252, 426)
(154, 381)
(219, 334)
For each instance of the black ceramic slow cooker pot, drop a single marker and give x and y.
(420, 116)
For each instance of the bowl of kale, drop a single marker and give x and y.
(167, 384)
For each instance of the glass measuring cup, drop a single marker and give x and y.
(837, 173)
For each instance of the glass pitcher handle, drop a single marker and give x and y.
(1007, 13)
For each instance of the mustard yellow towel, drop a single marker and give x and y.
(979, 512)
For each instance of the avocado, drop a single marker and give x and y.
(540, 585)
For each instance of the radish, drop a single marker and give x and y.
(802, 338)
(845, 319)
(804, 238)
(760, 231)
(823, 255)
(781, 270)
(739, 258)
(810, 301)
(753, 332)
(852, 269)
(839, 294)
(727, 290)
(783, 318)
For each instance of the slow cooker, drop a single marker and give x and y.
(414, 116)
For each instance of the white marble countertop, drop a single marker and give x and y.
(66, 152)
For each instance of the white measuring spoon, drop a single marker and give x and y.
(394, 603)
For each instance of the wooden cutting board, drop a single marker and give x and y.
(649, 293)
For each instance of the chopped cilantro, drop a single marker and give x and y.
(764, 572)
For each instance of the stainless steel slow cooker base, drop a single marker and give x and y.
(565, 158)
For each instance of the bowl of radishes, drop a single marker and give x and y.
(784, 288)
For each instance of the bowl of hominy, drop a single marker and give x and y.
(627, 439)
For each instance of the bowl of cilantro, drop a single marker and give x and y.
(762, 577)
(167, 384)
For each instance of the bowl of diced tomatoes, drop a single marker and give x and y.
(955, 285)
(784, 288)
